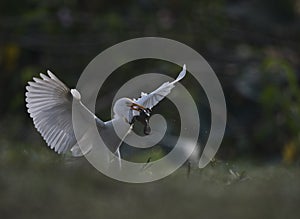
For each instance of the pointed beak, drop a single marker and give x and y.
(137, 107)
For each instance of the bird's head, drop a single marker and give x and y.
(123, 106)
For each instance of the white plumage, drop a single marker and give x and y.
(49, 103)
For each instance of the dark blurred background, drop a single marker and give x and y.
(253, 46)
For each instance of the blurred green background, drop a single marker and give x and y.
(254, 48)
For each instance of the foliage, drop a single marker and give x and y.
(253, 48)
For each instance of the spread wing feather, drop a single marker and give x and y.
(152, 99)
(49, 103)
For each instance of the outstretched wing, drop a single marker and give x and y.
(49, 103)
(150, 100)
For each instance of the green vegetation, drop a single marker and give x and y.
(67, 188)
(254, 48)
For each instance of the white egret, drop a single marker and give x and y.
(49, 103)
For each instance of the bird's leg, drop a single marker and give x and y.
(119, 158)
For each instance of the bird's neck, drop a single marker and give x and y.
(120, 122)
